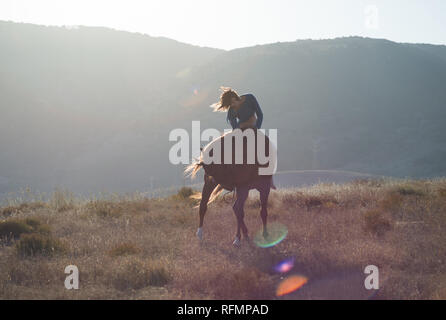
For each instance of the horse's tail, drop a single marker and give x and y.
(192, 169)
(217, 191)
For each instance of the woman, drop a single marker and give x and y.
(243, 111)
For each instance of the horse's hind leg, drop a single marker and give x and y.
(264, 194)
(242, 195)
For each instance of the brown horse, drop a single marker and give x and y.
(240, 177)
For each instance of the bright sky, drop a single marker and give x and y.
(229, 24)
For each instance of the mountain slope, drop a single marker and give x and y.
(350, 103)
(91, 108)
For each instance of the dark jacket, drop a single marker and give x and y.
(249, 107)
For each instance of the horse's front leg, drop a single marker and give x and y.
(264, 194)
(238, 236)
(264, 215)
(209, 186)
(243, 226)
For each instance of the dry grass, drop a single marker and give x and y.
(133, 247)
(124, 249)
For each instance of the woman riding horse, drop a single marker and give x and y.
(242, 177)
(243, 111)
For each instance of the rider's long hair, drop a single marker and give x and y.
(225, 99)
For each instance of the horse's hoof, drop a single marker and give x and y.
(200, 234)
(236, 242)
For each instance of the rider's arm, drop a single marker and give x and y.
(258, 112)
(232, 119)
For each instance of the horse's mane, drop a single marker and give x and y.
(192, 169)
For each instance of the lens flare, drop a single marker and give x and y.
(285, 265)
(290, 284)
(276, 233)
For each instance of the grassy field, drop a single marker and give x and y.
(132, 247)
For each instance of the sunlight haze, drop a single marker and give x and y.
(234, 24)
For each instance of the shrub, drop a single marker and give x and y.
(34, 244)
(36, 205)
(27, 206)
(13, 229)
(37, 226)
(313, 202)
(409, 190)
(8, 211)
(376, 222)
(185, 193)
(158, 276)
(318, 201)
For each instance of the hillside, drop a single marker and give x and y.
(91, 109)
(86, 102)
(358, 104)
(134, 247)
